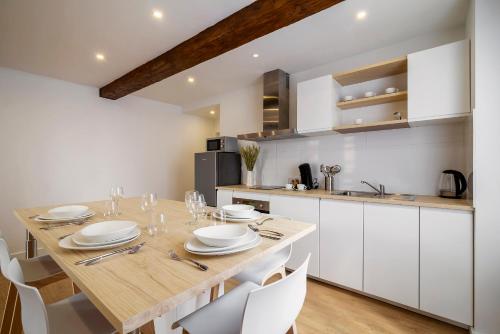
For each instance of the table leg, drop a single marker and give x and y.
(30, 246)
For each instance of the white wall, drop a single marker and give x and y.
(406, 160)
(486, 166)
(61, 143)
(240, 111)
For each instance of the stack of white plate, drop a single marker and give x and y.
(222, 240)
(240, 213)
(102, 235)
(65, 213)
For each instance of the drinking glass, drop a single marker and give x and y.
(116, 193)
(148, 202)
(198, 209)
(217, 217)
(161, 222)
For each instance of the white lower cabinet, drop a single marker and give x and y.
(341, 243)
(304, 210)
(391, 252)
(224, 197)
(446, 267)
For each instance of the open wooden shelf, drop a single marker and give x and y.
(372, 72)
(371, 101)
(376, 126)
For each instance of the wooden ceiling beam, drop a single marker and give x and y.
(249, 23)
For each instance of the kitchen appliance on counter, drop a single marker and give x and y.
(306, 175)
(222, 144)
(452, 184)
(213, 169)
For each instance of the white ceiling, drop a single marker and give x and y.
(59, 38)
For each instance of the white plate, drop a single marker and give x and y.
(68, 211)
(47, 219)
(249, 246)
(195, 245)
(107, 230)
(80, 241)
(239, 210)
(67, 243)
(257, 215)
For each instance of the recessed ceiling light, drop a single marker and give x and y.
(255, 55)
(361, 15)
(212, 112)
(190, 79)
(157, 14)
(100, 57)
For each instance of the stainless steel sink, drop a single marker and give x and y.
(352, 193)
(367, 194)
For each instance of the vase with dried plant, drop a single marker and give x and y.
(250, 153)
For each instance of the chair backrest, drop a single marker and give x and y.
(4, 257)
(33, 311)
(273, 308)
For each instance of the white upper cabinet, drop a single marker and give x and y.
(391, 252)
(316, 100)
(439, 82)
(446, 263)
(341, 243)
(304, 210)
(224, 197)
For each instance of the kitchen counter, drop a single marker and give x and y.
(424, 201)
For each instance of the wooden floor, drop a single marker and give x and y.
(327, 310)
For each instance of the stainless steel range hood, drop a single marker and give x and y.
(275, 107)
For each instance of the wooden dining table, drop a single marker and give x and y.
(133, 289)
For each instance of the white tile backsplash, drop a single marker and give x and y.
(405, 160)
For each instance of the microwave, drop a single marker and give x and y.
(222, 144)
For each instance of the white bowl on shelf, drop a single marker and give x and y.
(239, 210)
(68, 211)
(107, 230)
(221, 235)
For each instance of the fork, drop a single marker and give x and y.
(173, 255)
(264, 220)
(132, 250)
(256, 229)
(51, 226)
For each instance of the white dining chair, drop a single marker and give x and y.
(264, 269)
(39, 272)
(75, 315)
(250, 308)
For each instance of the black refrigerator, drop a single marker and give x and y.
(213, 169)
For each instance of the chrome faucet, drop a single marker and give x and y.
(380, 191)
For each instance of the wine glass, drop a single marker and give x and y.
(149, 201)
(116, 193)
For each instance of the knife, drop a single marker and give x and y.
(118, 251)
